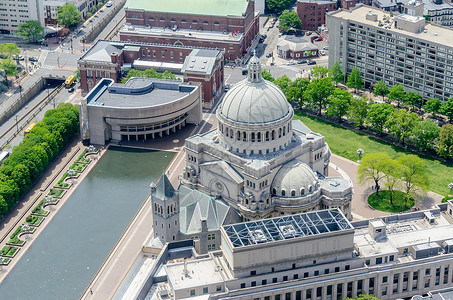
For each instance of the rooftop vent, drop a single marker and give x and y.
(335, 183)
(288, 231)
(191, 66)
(205, 61)
(193, 59)
(202, 67)
(258, 236)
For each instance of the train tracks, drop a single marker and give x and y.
(28, 116)
(114, 30)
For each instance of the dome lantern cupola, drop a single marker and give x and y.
(254, 69)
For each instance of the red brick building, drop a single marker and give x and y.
(312, 13)
(347, 4)
(106, 59)
(230, 25)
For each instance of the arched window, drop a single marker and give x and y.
(283, 193)
(253, 136)
(310, 188)
(227, 132)
(151, 19)
(267, 136)
(205, 23)
(194, 22)
(258, 137)
(274, 191)
(162, 20)
(173, 20)
(302, 191)
(231, 133)
(273, 135)
(284, 130)
(238, 135)
(168, 210)
(279, 132)
(183, 21)
(216, 23)
(244, 136)
(155, 206)
(293, 193)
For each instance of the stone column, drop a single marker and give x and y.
(354, 289)
(410, 281)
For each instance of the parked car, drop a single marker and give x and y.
(269, 55)
(264, 36)
(227, 87)
(308, 33)
(108, 4)
(322, 52)
(18, 57)
(70, 90)
(312, 62)
(325, 47)
(290, 63)
(303, 61)
(32, 59)
(318, 39)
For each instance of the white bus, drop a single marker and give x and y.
(3, 156)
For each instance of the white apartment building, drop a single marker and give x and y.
(398, 49)
(15, 12)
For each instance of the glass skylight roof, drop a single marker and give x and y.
(286, 227)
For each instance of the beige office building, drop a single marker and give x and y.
(398, 49)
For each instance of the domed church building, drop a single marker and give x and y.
(259, 160)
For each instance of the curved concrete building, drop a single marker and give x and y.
(140, 109)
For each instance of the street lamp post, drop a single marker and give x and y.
(450, 186)
(360, 152)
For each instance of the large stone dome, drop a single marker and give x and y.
(294, 179)
(255, 100)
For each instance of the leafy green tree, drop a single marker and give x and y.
(401, 123)
(276, 6)
(318, 92)
(89, 15)
(447, 109)
(371, 168)
(396, 93)
(336, 73)
(7, 50)
(378, 114)
(100, 4)
(283, 83)
(288, 19)
(9, 66)
(432, 106)
(339, 103)
(380, 89)
(296, 89)
(21, 176)
(358, 110)
(425, 134)
(3, 206)
(319, 72)
(392, 170)
(68, 15)
(94, 10)
(354, 81)
(149, 73)
(77, 74)
(445, 142)
(267, 75)
(413, 174)
(413, 99)
(30, 31)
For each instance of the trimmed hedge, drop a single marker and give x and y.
(34, 154)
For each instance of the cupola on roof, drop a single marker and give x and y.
(255, 100)
(295, 175)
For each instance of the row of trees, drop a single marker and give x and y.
(413, 100)
(29, 160)
(321, 94)
(149, 73)
(288, 20)
(406, 173)
(276, 6)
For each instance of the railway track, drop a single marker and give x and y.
(114, 30)
(29, 115)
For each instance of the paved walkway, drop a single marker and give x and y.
(37, 193)
(360, 208)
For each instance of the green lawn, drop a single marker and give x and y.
(56, 192)
(345, 143)
(61, 182)
(383, 202)
(8, 250)
(77, 167)
(33, 220)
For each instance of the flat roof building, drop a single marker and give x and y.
(229, 25)
(140, 109)
(314, 255)
(399, 49)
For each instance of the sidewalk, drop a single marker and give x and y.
(37, 192)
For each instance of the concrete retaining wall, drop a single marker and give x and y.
(93, 33)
